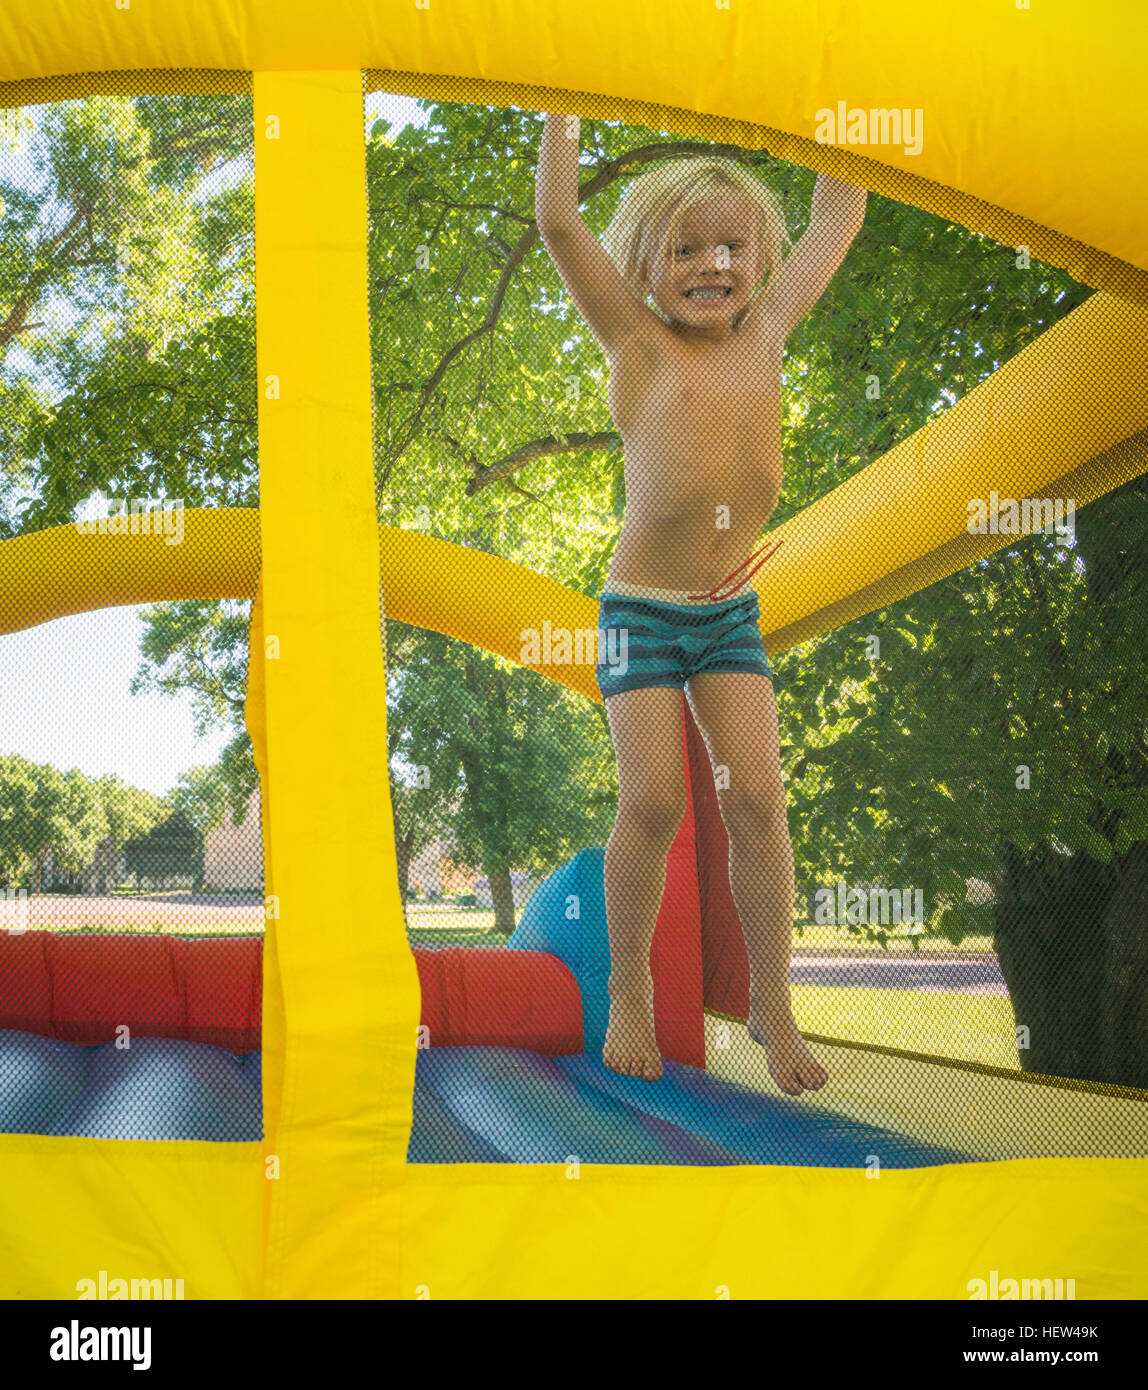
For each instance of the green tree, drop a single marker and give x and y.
(172, 849)
(65, 815)
(140, 380)
(517, 769)
(202, 796)
(199, 647)
(910, 768)
(46, 813)
(129, 810)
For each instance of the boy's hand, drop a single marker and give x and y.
(835, 218)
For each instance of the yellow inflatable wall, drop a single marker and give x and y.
(1038, 138)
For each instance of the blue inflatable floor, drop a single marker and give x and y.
(158, 1088)
(471, 1105)
(503, 1105)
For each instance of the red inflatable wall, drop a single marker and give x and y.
(473, 995)
(676, 954)
(81, 988)
(724, 963)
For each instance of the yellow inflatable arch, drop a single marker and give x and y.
(1037, 136)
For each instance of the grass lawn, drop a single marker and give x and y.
(427, 921)
(434, 937)
(968, 1027)
(942, 1023)
(809, 937)
(422, 917)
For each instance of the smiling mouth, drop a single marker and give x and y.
(709, 292)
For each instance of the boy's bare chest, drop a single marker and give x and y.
(712, 391)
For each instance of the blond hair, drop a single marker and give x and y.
(632, 238)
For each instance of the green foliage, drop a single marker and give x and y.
(127, 283)
(1021, 661)
(199, 647)
(129, 811)
(201, 796)
(512, 768)
(172, 849)
(44, 811)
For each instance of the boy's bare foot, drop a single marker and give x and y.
(791, 1064)
(631, 1046)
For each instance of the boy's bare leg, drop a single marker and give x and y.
(737, 714)
(646, 726)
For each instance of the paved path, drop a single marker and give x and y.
(64, 912)
(900, 970)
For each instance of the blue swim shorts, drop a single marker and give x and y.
(650, 642)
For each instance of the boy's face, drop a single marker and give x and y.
(717, 266)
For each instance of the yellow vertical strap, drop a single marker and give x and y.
(273, 1025)
(347, 980)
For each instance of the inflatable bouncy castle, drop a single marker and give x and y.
(271, 278)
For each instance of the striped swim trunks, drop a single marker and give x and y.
(657, 637)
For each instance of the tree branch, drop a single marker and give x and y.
(608, 174)
(541, 448)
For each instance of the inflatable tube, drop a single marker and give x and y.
(528, 1110)
(1057, 153)
(54, 573)
(42, 1079)
(500, 998)
(439, 1136)
(566, 917)
(161, 1088)
(82, 988)
(157, 1088)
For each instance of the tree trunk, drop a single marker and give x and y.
(404, 853)
(1070, 934)
(1125, 1024)
(502, 895)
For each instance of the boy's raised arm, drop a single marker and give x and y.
(602, 296)
(835, 218)
(556, 185)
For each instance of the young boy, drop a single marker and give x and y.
(692, 303)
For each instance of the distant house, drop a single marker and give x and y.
(233, 854)
(105, 871)
(433, 870)
(425, 874)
